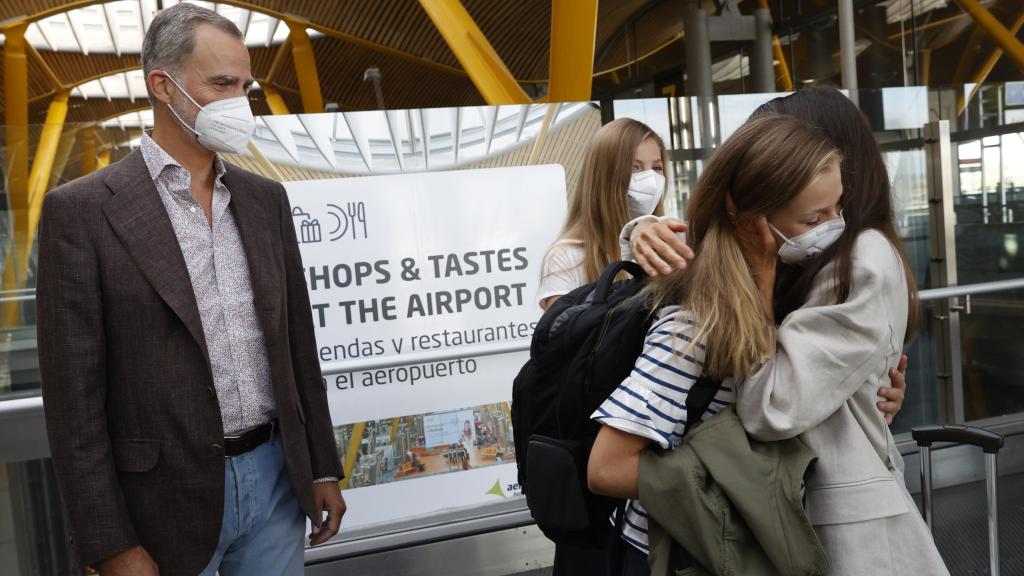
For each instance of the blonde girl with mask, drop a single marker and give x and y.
(623, 178)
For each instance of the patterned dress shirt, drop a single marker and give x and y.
(219, 271)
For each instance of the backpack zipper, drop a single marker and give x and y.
(607, 322)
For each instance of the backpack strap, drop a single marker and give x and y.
(698, 399)
(607, 279)
(617, 547)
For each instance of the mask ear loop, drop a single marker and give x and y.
(171, 108)
(780, 234)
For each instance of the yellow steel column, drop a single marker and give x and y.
(269, 170)
(995, 29)
(782, 77)
(89, 151)
(27, 216)
(274, 100)
(60, 160)
(16, 156)
(573, 32)
(46, 150)
(305, 68)
(475, 53)
(986, 68)
(103, 160)
(542, 135)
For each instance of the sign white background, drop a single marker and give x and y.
(413, 216)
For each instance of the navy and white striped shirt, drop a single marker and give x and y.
(651, 401)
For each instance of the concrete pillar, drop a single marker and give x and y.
(698, 52)
(847, 48)
(762, 66)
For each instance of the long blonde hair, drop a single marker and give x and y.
(762, 166)
(598, 207)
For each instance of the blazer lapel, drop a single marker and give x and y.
(256, 230)
(140, 220)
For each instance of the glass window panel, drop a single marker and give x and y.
(1013, 172)
(991, 168)
(908, 173)
(905, 108)
(735, 109)
(650, 111)
(991, 335)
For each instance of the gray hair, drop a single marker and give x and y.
(172, 35)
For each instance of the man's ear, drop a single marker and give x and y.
(160, 86)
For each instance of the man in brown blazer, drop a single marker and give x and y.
(186, 412)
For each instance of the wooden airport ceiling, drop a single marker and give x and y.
(638, 41)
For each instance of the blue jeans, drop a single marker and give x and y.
(263, 528)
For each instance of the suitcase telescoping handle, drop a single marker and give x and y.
(990, 442)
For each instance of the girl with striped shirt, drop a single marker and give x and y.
(714, 318)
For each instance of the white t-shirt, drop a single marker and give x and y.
(563, 267)
(562, 271)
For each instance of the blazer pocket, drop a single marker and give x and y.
(136, 455)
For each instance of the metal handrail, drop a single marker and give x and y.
(18, 298)
(971, 289)
(343, 366)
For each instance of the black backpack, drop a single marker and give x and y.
(584, 346)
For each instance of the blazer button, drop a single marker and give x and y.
(216, 449)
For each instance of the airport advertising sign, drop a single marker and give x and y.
(421, 265)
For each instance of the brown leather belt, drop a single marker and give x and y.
(238, 445)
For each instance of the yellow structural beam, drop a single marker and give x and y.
(60, 160)
(279, 56)
(55, 82)
(46, 152)
(89, 149)
(783, 80)
(268, 167)
(103, 159)
(355, 443)
(542, 135)
(274, 100)
(573, 33)
(305, 68)
(995, 29)
(27, 215)
(986, 68)
(485, 68)
(16, 157)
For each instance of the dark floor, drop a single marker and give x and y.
(961, 528)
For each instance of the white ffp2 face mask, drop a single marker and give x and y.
(222, 125)
(645, 191)
(805, 247)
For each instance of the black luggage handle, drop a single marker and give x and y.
(607, 279)
(987, 440)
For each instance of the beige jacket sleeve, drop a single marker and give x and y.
(827, 351)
